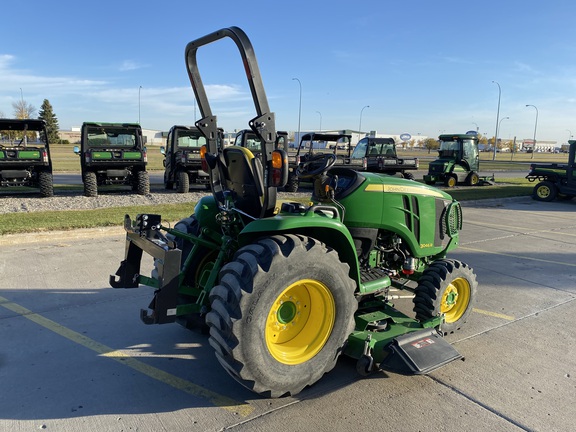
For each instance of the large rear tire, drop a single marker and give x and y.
(544, 191)
(281, 314)
(446, 287)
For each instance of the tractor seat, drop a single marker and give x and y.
(243, 176)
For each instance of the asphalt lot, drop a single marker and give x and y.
(75, 356)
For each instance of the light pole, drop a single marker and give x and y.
(499, 124)
(477, 128)
(299, 109)
(320, 114)
(497, 116)
(570, 135)
(360, 125)
(535, 126)
(139, 88)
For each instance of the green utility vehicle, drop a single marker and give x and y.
(284, 291)
(25, 155)
(314, 146)
(458, 162)
(555, 180)
(182, 159)
(113, 154)
(379, 155)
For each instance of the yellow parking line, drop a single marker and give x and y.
(186, 386)
(569, 264)
(494, 314)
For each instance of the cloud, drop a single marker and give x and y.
(130, 65)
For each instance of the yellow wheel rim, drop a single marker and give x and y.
(451, 182)
(300, 322)
(543, 191)
(455, 300)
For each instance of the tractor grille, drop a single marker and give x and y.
(412, 214)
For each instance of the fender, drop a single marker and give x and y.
(319, 221)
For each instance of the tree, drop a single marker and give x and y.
(47, 114)
(431, 144)
(22, 109)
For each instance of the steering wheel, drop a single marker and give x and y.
(316, 165)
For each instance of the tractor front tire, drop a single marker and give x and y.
(451, 181)
(446, 287)
(282, 313)
(544, 191)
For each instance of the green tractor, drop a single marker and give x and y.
(284, 289)
(458, 162)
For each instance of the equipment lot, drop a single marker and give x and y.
(75, 356)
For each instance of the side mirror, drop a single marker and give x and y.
(163, 150)
(76, 150)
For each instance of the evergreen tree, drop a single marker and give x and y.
(51, 120)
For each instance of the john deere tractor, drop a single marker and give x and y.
(284, 289)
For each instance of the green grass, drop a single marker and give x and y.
(14, 223)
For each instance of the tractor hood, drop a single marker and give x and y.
(409, 208)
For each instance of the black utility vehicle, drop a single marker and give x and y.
(113, 154)
(25, 155)
(379, 155)
(555, 180)
(182, 159)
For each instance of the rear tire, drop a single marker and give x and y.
(544, 191)
(183, 182)
(143, 183)
(90, 184)
(292, 184)
(408, 175)
(446, 287)
(472, 179)
(46, 184)
(282, 313)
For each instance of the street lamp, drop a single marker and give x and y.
(535, 126)
(360, 125)
(139, 88)
(498, 129)
(570, 135)
(299, 108)
(477, 128)
(319, 113)
(497, 116)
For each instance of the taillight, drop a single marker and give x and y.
(365, 162)
(183, 158)
(44, 156)
(203, 158)
(87, 157)
(279, 162)
(145, 156)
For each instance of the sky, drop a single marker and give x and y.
(416, 67)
